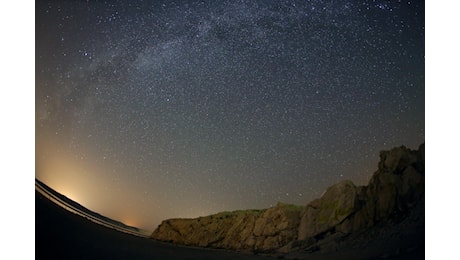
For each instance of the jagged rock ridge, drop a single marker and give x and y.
(394, 189)
(239, 230)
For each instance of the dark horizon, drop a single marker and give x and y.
(76, 208)
(61, 234)
(387, 215)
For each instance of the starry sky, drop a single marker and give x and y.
(148, 110)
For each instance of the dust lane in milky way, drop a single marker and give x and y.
(147, 111)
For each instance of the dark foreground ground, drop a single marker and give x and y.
(60, 234)
(396, 240)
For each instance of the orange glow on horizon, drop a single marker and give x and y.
(129, 222)
(63, 173)
(83, 184)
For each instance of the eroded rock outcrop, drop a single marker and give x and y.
(338, 202)
(394, 189)
(251, 230)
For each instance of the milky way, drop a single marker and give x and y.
(147, 110)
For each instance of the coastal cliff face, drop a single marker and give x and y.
(251, 230)
(393, 191)
(396, 187)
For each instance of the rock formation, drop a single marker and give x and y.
(337, 204)
(393, 191)
(249, 230)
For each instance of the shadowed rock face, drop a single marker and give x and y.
(394, 189)
(320, 215)
(397, 185)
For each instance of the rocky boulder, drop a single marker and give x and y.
(338, 202)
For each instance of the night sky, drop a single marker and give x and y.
(148, 110)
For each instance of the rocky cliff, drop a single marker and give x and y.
(393, 191)
(248, 230)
